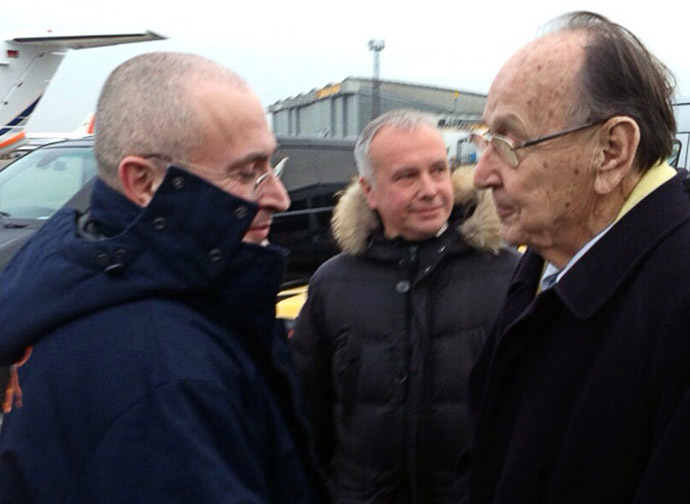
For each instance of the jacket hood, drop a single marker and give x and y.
(353, 221)
(186, 244)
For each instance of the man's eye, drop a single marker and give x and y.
(245, 173)
(407, 174)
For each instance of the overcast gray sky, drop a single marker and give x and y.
(284, 48)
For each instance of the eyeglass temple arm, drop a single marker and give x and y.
(559, 134)
(277, 171)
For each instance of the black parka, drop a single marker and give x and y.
(386, 341)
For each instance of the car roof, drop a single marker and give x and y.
(79, 142)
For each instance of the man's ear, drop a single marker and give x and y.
(140, 177)
(367, 188)
(619, 140)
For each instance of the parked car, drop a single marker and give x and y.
(38, 184)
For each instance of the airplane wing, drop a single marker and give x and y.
(85, 41)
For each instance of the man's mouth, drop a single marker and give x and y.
(257, 233)
(502, 209)
(260, 226)
(427, 210)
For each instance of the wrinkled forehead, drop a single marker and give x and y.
(538, 85)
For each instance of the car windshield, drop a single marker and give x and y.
(38, 184)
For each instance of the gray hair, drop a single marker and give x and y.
(145, 108)
(621, 77)
(407, 120)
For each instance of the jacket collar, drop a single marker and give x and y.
(354, 223)
(595, 278)
(191, 226)
(111, 211)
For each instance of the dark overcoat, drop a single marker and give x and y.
(582, 394)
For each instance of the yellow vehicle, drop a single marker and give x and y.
(290, 302)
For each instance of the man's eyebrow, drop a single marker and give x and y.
(404, 168)
(440, 162)
(508, 123)
(249, 158)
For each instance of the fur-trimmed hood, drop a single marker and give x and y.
(353, 221)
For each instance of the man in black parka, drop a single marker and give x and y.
(394, 323)
(582, 394)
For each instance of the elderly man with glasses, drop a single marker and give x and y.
(582, 393)
(149, 364)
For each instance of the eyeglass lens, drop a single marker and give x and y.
(503, 149)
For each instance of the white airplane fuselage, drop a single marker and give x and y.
(23, 80)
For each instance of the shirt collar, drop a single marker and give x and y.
(442, 230)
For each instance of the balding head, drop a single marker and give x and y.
(539, 84)
(146, 107)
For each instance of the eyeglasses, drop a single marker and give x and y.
(506, 149)
(258, 180)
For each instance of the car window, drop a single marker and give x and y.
(38, 184)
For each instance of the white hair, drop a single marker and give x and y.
(403, 119)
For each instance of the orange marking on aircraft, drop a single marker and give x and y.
(16, 138)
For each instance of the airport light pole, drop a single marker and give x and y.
(376, 46)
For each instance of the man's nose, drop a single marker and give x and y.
(272, 194)
(428, 186)
(485, 173)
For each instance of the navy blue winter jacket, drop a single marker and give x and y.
(155, 371)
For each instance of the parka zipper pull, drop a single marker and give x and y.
(413, 256)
